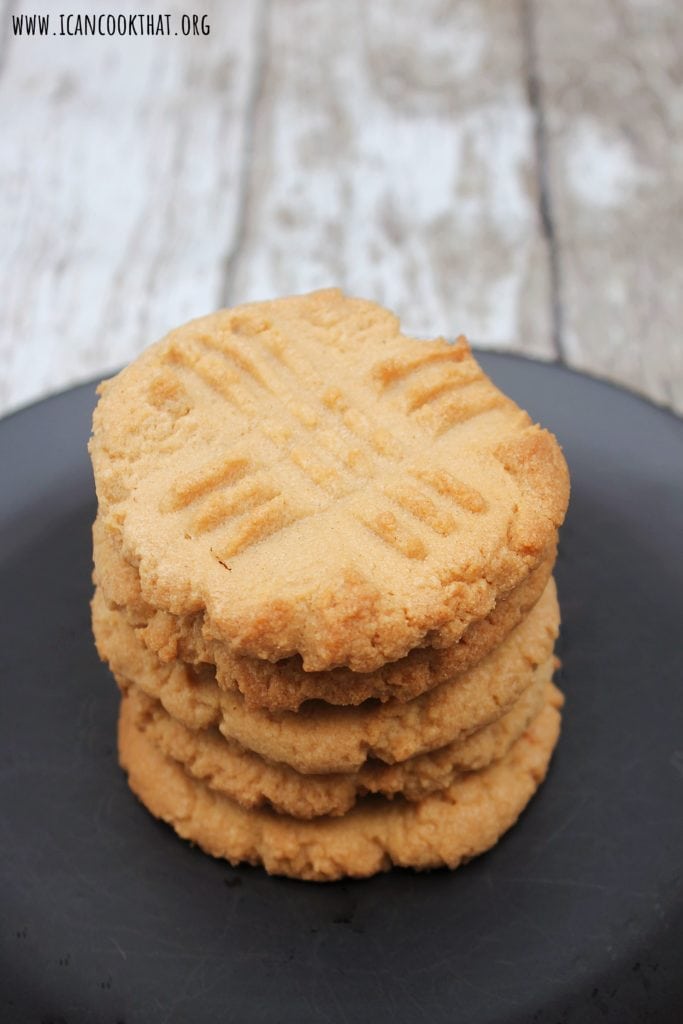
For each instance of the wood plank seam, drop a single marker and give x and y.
(545, 205)
(261, 46)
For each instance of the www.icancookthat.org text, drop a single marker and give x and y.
(110, 25)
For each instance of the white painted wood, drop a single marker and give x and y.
(388, 146)
(393, 154)
(120, 171)
(611, 76)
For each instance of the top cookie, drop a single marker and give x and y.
(314, 482)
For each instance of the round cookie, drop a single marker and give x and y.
(314, 482)
(445, 829)
(284, 686)
(322, 738)
(252, 782)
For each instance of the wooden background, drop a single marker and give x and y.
(511, 170)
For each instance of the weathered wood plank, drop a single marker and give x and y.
(119, 179)
(611, 79)
(394, 154)
(389, 147)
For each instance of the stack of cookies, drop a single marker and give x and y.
(323, 567)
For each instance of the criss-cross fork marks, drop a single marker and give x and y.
(422, 507)
(425, 394)
(386, 526)
(215, 377)
(202, 482)
(391, 371)
(227, 504)
(336, 446)
(264, 522)
(459, 392)
(468, 498)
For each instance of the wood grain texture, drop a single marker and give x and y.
(611, 77)
(507, 170)
(120, 178)
(393, 154)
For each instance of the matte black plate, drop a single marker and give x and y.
(577, 915)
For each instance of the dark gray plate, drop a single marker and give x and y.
(577, 915)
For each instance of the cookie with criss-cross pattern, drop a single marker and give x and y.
(314, 483)
(323, 565)
(284, 685)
